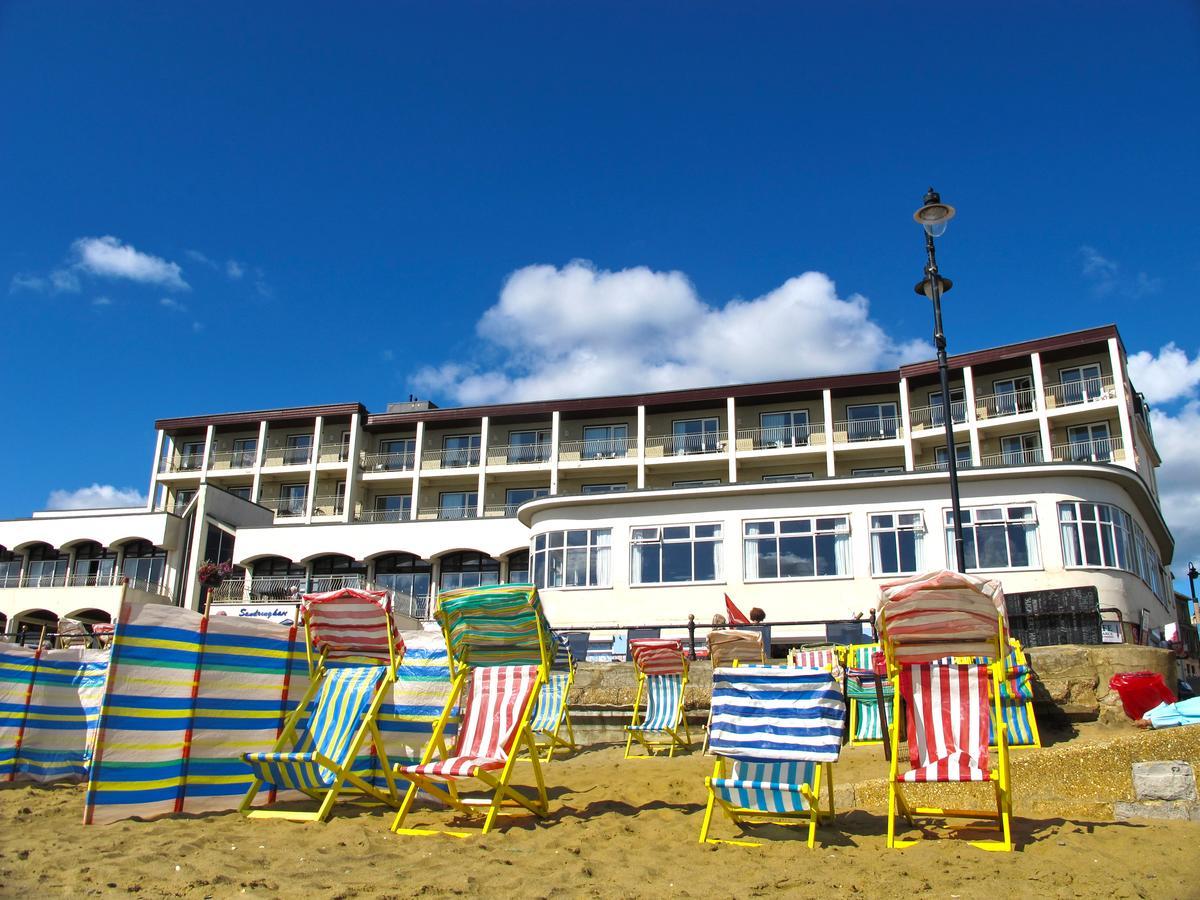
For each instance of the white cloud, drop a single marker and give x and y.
(96, 496)
(1168, 376)
(108, 257)
(1179, 479)
(173, 304)
(1105, 275)
(578, 331)
(197, 327)
(1097, 266)
(60, 281)
(234, 269)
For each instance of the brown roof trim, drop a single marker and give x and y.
(269, 415)
(1024, 348)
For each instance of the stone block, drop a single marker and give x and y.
(1182, 810)
(1166, 780)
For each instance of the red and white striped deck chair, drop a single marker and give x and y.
(499, 704)
(662, 669)
(351, 626)
(816, 658)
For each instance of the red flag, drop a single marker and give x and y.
(736, 616)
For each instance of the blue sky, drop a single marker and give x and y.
(325, 201)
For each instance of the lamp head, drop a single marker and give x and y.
(934, 215)
(924, 287)
(1191, 572)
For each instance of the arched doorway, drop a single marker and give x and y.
(34, 624)
(277, 578)
(95, 564)
(408, 576)
(467, 569)
(335, 571)
(46, 567)
(518, 567)
(144, 565)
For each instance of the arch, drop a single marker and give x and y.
(28, 625)
(517, 565)
(143, 562)
(10, 570)
(379, 554)
(94, 564)
(89, 616)
(45, 565)
(3, 623)
(266, 566)
(467, 568)
(332, 563)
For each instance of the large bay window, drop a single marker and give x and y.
(676, 554)
(797, 548)
(997, 537)
(1098, 535)
(576, 558)
(896, 543)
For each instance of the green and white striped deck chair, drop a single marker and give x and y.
(777, 732)
(552, 711)
(865, 727)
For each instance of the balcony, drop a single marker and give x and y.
(399, 461)
(1076, 393)
(587, 451)
(794, 437)
(285, 507)
(922, 417)
(1102, 450)
(458, 458)
(103, 580)
(384, 515)
(233, 459)
(287, 456)
(329, 506)
(337, 452)
(1013, 458)
(861, 430)
(943, 466)
(191, 462)
(447, 513)
(267, 587)
(1009, 403)
(518, 455)
(706, 444)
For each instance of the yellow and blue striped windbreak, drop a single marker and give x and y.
(497, 625)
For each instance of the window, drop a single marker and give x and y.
(344, 449)
(293, 498)
(872, 422)
(604, 488)
(577, 558)
(514, 497)
(1081, 383)
(797, 548)
(694, 436)
(1019, 449)
(1096, 534)
(676, 554)
(783, 429)
(996, 537)
(528, 446)
(242, 491)
(245, 453)
(94, 564)
(397, 455)
(461, 450)
(10, 568)
(191, 456)
(1090, 443)
(298, 450)
(878, 470)
(458, 505)
(468, 569)
(798, 476)
(218, 545)
(958, 407)
(182, 499)
(962, 456)
(144, 564)
(339, 498)
(1013, 395)
(518, 567)
(405, 574)
(392, 508)
(701, 482)
(605, 441)
(896, 543)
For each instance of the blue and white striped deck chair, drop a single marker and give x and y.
(777, 732)
(662, 671)
(865, 725)
(552, 712)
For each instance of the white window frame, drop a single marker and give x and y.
(812, 533)
(718, 540)
(973, 511)
(612, 451)
(541, 558)
(695, 483)
(876, 471)
(1037, 446)
(917, 528)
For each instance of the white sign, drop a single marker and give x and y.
(281, 614)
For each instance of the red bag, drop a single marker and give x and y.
(1140, 692)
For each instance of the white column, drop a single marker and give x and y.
(259, 456)
(418, 455)
(641, 447)
(906, 424)
(483, 454)
(1039, 397)
(969, 401)
(1128, 457)
(314, 455)
(827, 409)
(731, 437)
(158, 445)
(208, 443)
(353, 470)
(555, 428)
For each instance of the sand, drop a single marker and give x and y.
(624, 828)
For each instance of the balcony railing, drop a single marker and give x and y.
(1013, 458)
(385, 515)
(396, 461)
(519, 454)
(884, 429)
(106, 579)
(1008, 403)
(1102, 450)
(334, 452)
(329, 506)
(1073, 393)
(233, 459)
(447, 513)
(291, 588)
(686, 444)
(943, 466)
(934, 416)
(287, 456)
(460, 458)
(613, 448)
(789, 437)
(191, 462)
(285, 507)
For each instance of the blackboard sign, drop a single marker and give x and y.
(1056, 616)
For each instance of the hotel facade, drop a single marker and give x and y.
(800, 497)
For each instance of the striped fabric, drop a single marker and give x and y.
(49, 708)
(772, 713)
(563, 660)
(926, 617)
(351, 625)
(498, 625)
(658, 656)
(727, 645)
(769, 787)
(73, 634)
(552, 700)
(947, 722)
(866, 722)
(824, 658)
(496, 701)
(664, 706)
(1016, 699)
(340, 705)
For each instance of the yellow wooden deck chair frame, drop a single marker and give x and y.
(665, 693)
(553, 710)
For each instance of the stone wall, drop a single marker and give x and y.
(1071, 680)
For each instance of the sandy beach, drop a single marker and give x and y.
(627, 828)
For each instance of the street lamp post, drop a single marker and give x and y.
(933, 216)
(1192, 575)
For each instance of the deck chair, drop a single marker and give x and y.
(552, 711)
(1016, 699)
(922, 621)
(777, 732)
(499, 654)
(730, 647)
(865, 725)
(73, 634)
(662, 670)
(814, 658)
(353, 651)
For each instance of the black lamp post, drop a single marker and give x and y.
(933, 217)
(1192, 575)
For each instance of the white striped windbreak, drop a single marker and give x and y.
(773, 713)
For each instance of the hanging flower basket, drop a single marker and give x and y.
(212, 574)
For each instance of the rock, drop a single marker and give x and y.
(1169, 780)
(1181, 810)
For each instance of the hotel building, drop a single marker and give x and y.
(800, 497)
